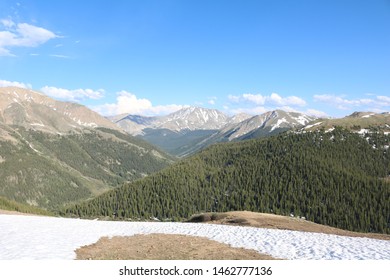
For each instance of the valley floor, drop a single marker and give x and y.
(35, 237)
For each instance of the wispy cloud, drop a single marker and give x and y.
(317, 113)
(60, 56)
(257, 110)
(21, 35)
(273, 99)
(73, 95)
(379, 103)
(212, 100)
(129, 103)
(5, 83)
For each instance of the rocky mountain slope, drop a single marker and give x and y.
(53, 153)
(191, 129)
(34, 110)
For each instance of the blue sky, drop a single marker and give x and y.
(153, 57)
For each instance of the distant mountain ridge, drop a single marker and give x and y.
(356, 122)
(31, 109)
(191, 129)
(53, 152)
(189, 118)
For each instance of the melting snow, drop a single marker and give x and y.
(367, 116)
(330, 129)
(311, 125)
(363, 131)
(302, 120)
(33, 237)
(278, 123)
(38, 124)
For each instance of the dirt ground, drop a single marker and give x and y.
(164, 247)
(6, 212)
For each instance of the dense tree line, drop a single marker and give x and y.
(336, 178)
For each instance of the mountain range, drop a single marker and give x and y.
(59, 155)
(191, 129)
(53, 153)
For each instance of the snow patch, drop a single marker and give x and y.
(330, 130)
(278, 123)
(312, 125)
(37, 124)
(22, 238)
(363, 131)
(302, 120)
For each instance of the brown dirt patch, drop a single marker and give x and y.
(7, 212)
(164, 247)
(262, 220)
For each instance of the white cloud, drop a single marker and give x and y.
(251, 111)
(384, 99)
(316, 113)
(60, 56)
(234, 98)
(7, 23)
(163, 109)
(72, 95)
(4, 83)
(22, 35)
(255, 98)
(212, 100)
(128, 103)
(346, 104)
(273, 99)
(286, 101)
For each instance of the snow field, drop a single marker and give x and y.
(44, 238)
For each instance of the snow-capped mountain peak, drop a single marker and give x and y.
(192, 118)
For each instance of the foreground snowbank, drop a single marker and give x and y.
(32, 237)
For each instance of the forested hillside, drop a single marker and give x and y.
(9, 205)
(50, 170)
(336, 178)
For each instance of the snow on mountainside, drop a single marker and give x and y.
(190, 118)
(193, 118)
(34, 110)
(263, 124)
(191, 129)
(357, 122)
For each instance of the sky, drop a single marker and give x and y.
(324, 58)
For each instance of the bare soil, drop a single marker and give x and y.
(7, 212)
(164, 247)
